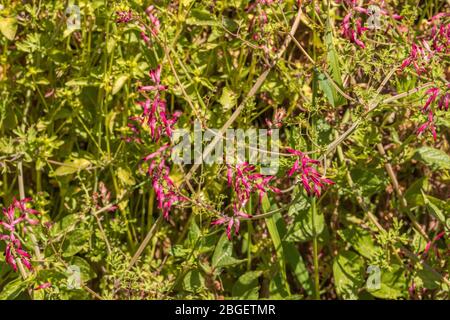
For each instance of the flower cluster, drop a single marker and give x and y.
(159, 123)
(353, 33)
(124, 16)
(154, 112)
(432, 243)
(158, 170)
(102, 198)
(244, 181)
(153, 26)
(312, 180)
(230, 222)
(258, 27)
(419, 57)
(436, 42)
(428, 125)
(442, 103)
(277, 121)
(14, 251)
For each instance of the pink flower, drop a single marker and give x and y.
(428, 125)
(165, 191)
(155, 76)
(102, 199)
(154, 21)
(245, 180)
(157, 152)
(428, 245)
(42, 286)
(443, 101)
(219, 221)
(10, 224)
(433, 93)
(124, 16)
(350, 3)
(229, 228)
(277, 122)
(312, 181)
(154, 113)
(231, 222)
(350, 33)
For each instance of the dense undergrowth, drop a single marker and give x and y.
(95, 207)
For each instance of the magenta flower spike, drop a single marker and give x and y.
(312, 181)
(10, 224)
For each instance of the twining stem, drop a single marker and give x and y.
(103, 233)
(315, 252)
(144, 243)
(403, 203)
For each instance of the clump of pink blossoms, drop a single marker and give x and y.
(154, 119)
(353, 34)
(436, 42)
(442, 103)
(353, 31)
(160, 123)
(124, 16)
(277, 121)
(102, 198)
(10, 224)
(244, 181)
(312, 180)
(154, 112)
(158, 170)
(433, 44)
(153, 26)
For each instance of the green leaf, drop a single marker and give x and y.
(435, 158)
(202, 17)
(370, 181)
(125, 176)
(276, 288)
(360, 240)
(70, 167)
(326, 87)
(305, 226)
(76, 241)
(413, 195)
(393, 284)
(86, 272)
(118, 84)
(8, 27)
(13, 289)
(427, 279)
(348, 272)
(334, 68)
(228, 99)
(222, 256)
(247, 286)
(434, 210)
(193, 281)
